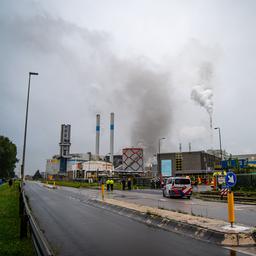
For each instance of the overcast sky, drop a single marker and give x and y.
(162, 66)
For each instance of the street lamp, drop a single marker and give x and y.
(218, 128)
(159, 145)
(25, 132)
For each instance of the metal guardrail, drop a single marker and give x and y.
(218, 197)
(40, 243)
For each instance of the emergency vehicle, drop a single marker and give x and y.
(177, 187)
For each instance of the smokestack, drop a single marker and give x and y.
(180, 147)
(189, 146)
(97, 148)
(112, 138)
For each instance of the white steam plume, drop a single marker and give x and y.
(202, 94)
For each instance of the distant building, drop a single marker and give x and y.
(187, 163)
(91, 169)
(217, 153)
(250, 159)
(53, 165)
(64, 146)
(117, 159)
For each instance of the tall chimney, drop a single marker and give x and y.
(97, 148)
(112, 137)
(180, 147)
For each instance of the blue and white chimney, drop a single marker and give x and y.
(112, 137)
(97, 147)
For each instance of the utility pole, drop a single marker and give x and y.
(159, 152)
(25, 130)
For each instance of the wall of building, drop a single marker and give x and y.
(52, 166)
(192, 162)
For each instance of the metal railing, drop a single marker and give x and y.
(40, 243)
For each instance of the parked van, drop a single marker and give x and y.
(178, 187)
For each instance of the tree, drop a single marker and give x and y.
(8, 160)
(37, 175)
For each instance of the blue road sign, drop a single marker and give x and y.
(230, 179)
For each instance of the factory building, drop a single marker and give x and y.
(132, 161)
(91, 170)
(249, 158)
(187, 163)
(117, 160)
(64, 147)
(53, 164)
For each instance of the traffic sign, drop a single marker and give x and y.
(230, 179)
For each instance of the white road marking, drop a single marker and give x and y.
(246, 250)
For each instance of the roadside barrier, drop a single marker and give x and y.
(244, 198)
(40, 243)
(224, 192)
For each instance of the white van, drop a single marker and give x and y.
(177, 187)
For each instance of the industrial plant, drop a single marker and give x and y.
(131, 163)
(89, 166)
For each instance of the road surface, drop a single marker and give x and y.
(245, 214)
(74, 227)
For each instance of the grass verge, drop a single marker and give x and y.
(76, 184)
(10, 243)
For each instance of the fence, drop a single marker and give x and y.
(246, 181)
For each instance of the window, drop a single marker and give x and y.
(182, 181)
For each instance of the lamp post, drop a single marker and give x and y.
(159, 145)
(89, 165)
(159, 152)
(25, 131)
(218, 128)
(106, 160)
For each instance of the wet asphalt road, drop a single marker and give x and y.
(245, 214)
(75, 228)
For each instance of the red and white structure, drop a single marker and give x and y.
(224, 192)
(133, 160)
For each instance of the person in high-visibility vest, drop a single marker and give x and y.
(108, 184)
(111, 184)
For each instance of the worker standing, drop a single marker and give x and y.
(123, 183)
(108, 184)
(111, 184)
(129, 184)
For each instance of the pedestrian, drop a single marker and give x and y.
(195, 184)
(111, 184)
(10, 182)
(129, 184)
(123, 183)
(108, 184)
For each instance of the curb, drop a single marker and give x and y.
(222, 201)
(50, 186)
(183, 228)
